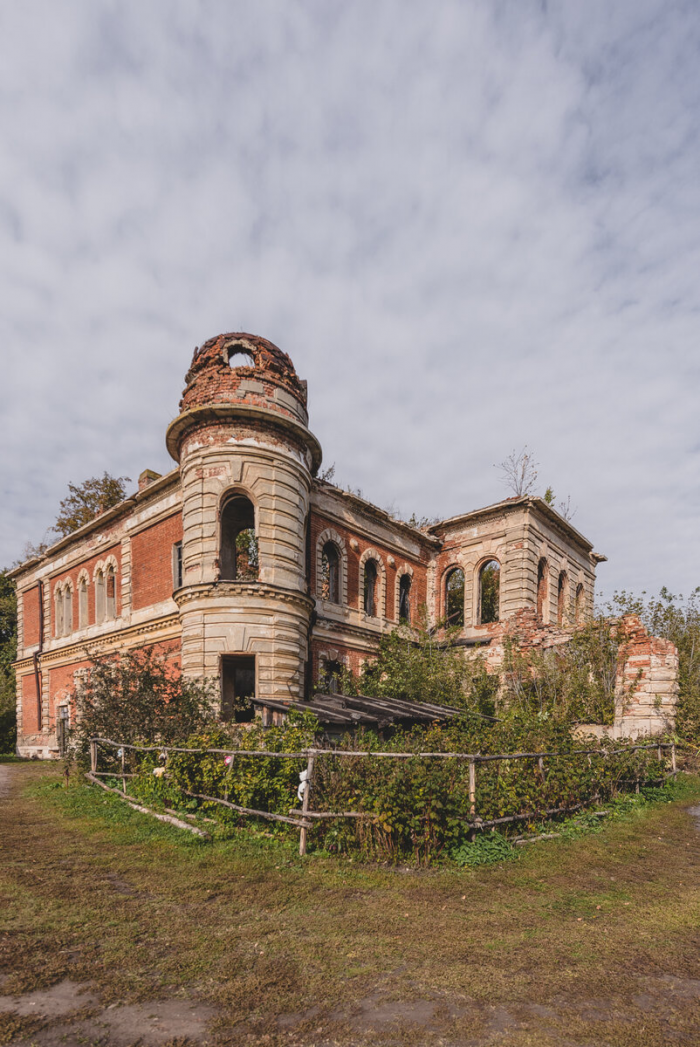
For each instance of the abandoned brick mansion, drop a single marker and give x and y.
(254, 571)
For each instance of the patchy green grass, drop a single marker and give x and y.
(591, 938)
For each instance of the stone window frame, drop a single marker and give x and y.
(227, 494)
(563, 595)
(83, 577)
(543, 600)
(331, 654)
(331, 535)
(454, 565)
(478, 568)
(404, 569)
(68, 608)
(58, 610)
(580, 601)
(111, 561)
(98, 580)
(380, 593)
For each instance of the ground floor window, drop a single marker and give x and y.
(237, 687)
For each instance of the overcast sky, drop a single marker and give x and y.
(473, 225)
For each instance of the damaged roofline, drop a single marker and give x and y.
(98, 521)
(526, 501)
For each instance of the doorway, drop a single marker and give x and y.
(237, 687)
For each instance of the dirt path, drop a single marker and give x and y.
(115, 932)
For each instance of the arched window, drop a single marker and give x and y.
(405, 599)
(454, 597)
(238, 557)
(82, 603)
(370, 582)
(580, 603)
(489, 592)
(58, 613)
(330, 573)
(67, 610)
(99, 597)
(110, 593)
(562, 592)
(542, 587)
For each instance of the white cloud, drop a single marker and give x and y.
(472, 226)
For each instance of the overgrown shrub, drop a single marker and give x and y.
(138, 695)
(8, 653)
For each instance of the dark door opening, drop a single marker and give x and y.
(237, 687)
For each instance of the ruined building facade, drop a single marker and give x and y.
(252, 570)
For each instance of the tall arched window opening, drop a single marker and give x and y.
(58, 615)
(490, 592)
(330, 573)
(579, 605)
(405, 599)
(83, 604)
(67, 610)
(542, 587)
(99, 597)
(238, 557)
(331, 676)
(562, 589)
(110, 594)
(454, 598)
(370, 583)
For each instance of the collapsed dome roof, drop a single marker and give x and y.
(219, 365)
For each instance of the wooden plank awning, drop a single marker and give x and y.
(344, 710)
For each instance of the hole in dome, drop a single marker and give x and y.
(238, 356)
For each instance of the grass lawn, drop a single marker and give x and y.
(594, 941)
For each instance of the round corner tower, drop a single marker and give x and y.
(246, 459)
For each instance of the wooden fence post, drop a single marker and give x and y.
(472, 787)
(673, 757)
(93, 755)
(305, 806)
(123, 769)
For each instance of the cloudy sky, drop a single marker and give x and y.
(473, 225)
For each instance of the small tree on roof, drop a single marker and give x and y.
(86, 500)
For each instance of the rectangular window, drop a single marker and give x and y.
(177, 565)
(237, 687)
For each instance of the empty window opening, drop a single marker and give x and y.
(370, 581)
(562, 590)
(330, 573)
(580, 604)
(239, 544)
(58, 624)
(110, 594)
(238, 355)
(490, 593)
(237, 687)
(331, 676)
(83, 604)
(542, 587)
(99, 597)
(405, 599)
(67, 611)
(177, 565)
(454, 598)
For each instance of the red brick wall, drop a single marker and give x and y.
(89, 566)
(348, 657)
(152, 561)
(30, 617)
(61, 681)
(30, 723)
(419, 585)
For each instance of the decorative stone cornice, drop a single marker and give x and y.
(229, 412)
(228, 589)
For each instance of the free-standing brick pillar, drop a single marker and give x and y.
(242, 433)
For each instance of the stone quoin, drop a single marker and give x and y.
(252, 570)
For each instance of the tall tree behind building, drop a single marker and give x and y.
(8, 653)
(86, 500)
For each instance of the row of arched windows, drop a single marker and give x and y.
(563, 595)
(489, 595)
(329, 583)
(105, 581)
